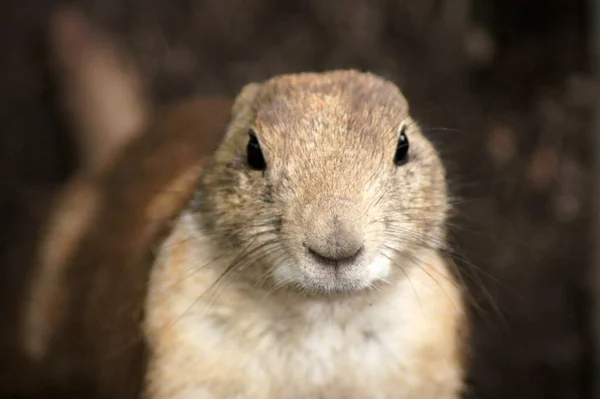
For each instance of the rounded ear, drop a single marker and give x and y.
(243, 105)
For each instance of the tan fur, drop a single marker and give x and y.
(102, 91)
(106, 109)
(115, 313)
(329, 141)
(245, 345)
(75, 209)
(94, 334)
(82, 315)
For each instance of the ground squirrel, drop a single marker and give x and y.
(302, 260)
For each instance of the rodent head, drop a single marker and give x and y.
(325, 183)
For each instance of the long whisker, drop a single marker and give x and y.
(391, 259)
(246, 256)
(408, 237)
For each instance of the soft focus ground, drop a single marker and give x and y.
(509, 106)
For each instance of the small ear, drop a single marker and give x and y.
(243, 105)
(99, 87)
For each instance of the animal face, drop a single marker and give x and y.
(327, 183)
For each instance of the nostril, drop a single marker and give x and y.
(335, 260)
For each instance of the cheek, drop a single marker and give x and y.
(380, 266)
(239, 202)
(286, 272)
(402, 217)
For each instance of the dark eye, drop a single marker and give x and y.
(401, 155)
(254, 153)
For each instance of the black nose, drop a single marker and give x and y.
(337, 258)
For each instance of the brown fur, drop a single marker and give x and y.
(116, 324)
(74, 209)
(102, 89)
(82, 314)
(219, 320)
(99, 343)
(296, 117)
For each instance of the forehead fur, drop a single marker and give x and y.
(358, 107)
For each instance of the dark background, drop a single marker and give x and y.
(504, 87)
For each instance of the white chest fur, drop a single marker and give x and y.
(228, 344)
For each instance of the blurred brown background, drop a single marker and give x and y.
(504, 87)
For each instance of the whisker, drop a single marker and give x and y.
(410, 237)
(195, 268)
(246, 256)
(419, 262)
(407, 277)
